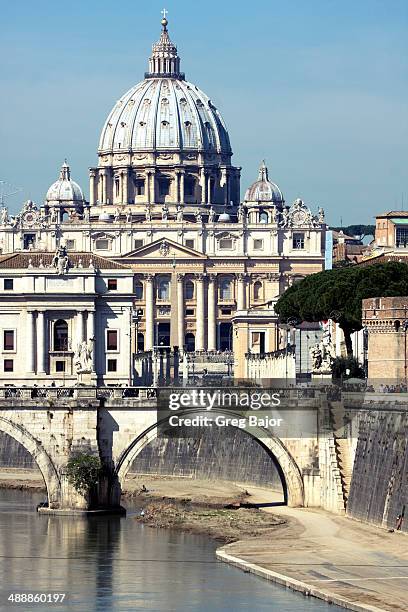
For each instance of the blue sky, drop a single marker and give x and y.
(318, 88)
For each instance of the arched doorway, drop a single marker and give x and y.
(286, 466)
(225, 336)
(189, 342)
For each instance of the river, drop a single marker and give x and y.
(115, 564)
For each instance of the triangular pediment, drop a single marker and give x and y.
(163, 248)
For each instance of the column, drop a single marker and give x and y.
(104, 195)
(80, 326)
(200, 314)
(149, 315)
(180, 309)
(29, 342)
(92, 175)
(124, 198)
(90, 332)
(209, 188)
(212, 317)
(147, 187)
(203, 186)
(241, 292)
(153, 187)
(182, 188)
(100, 187)
(41, 344)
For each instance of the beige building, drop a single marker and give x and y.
(165, 201)
(386, 321)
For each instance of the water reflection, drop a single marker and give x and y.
(114, 564)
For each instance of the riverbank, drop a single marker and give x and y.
(338, 560)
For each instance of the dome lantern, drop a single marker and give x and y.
(164, 60)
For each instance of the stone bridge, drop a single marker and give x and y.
(115, 424)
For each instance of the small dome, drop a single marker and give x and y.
(224, 217)
(263, 190)
(65, 190)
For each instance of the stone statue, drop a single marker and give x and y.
(87, 213)
(179, 214)
(54, 216)
(4, 215)
(148, 213)
(285, 218)
(61, 261)
(129, 216)
(240, 213)
(199, 216)
(165, 212)
(320, 215)
(211, 215)
(83, 357)
(323, 353)
(117, 215)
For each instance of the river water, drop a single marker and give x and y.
(115, 564)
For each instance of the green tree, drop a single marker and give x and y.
(359, 230)
(337, 294)
(83, 472)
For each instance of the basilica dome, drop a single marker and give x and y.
(65, 190)
(263, 190)
(164, 112)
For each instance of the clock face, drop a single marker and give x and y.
(30, 217)
(299, 217)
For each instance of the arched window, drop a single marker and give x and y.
(60, 335)
(263, 216)
(163, 289)
(140, 342)
(189, 290)
(189, 186)
(139, 290)
(189, 343)
(225, 289)
(258, 290)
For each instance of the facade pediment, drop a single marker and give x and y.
(164, 249)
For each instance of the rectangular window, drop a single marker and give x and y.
(226, 311)
(164, 186)
(28, 241)
(112, 365)
(190, 243)
(8, 365)
(8, 340)
(8, 284)
(401, 237)
(112, 284)
(60, 366)
(138, 243)
(189, 312)
(298, 241)
(70, 244)
(102, 245)
(226, 244)
(112, 340)
(140, 187)
(258, 244)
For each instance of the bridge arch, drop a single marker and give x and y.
(41, 457)
(289, 471)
